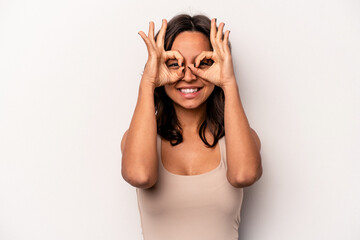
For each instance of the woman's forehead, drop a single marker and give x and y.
(191, 44)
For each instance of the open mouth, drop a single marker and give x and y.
(189, 90)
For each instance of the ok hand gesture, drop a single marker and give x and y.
(221, 72)
(156, 71)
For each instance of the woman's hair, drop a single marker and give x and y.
(168, 125)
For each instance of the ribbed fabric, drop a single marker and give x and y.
(195, 207)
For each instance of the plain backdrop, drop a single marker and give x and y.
(69, 77)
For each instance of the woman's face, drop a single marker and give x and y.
(191, 91)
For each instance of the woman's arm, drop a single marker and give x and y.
(139, 155)
(242, 143)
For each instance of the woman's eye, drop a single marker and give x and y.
(205, 63)
(173, 65)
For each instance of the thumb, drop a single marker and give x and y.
(176, 76)
(180, 72)
(197, 71)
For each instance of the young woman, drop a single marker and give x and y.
(189, 149)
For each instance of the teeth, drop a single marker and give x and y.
(189, 90)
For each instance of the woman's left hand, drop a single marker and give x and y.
(221, 72)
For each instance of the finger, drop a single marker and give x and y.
(203, 55)
(219, 33)
(213, 31)
(176, 75)
(161, 35)
(226, 40)
(197, 71)
(181, 71)
(146, 40)
(179, 74)
(151, 32)
(143, 36)
(174, 55)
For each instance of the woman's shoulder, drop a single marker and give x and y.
(123, 140)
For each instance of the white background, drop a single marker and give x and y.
(69, 76)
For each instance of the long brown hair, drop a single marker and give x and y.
(168, 125)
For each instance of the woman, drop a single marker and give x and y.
(189, 149)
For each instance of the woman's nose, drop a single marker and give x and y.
(189, 76)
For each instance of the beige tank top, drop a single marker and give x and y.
(190, 207)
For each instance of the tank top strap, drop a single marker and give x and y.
(223, 150)
(158, 146)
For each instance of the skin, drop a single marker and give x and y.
(175, 69)
(189, 45)
(191, 156)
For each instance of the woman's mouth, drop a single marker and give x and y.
(189, 92)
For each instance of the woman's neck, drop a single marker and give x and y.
(190, 119)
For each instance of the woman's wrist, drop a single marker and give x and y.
(147, 83)
(229, 86)
(146, 86)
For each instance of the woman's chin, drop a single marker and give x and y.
(189, 106)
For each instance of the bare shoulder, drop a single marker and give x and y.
(124, 140)
(256, 137)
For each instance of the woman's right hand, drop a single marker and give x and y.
(156, 70)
